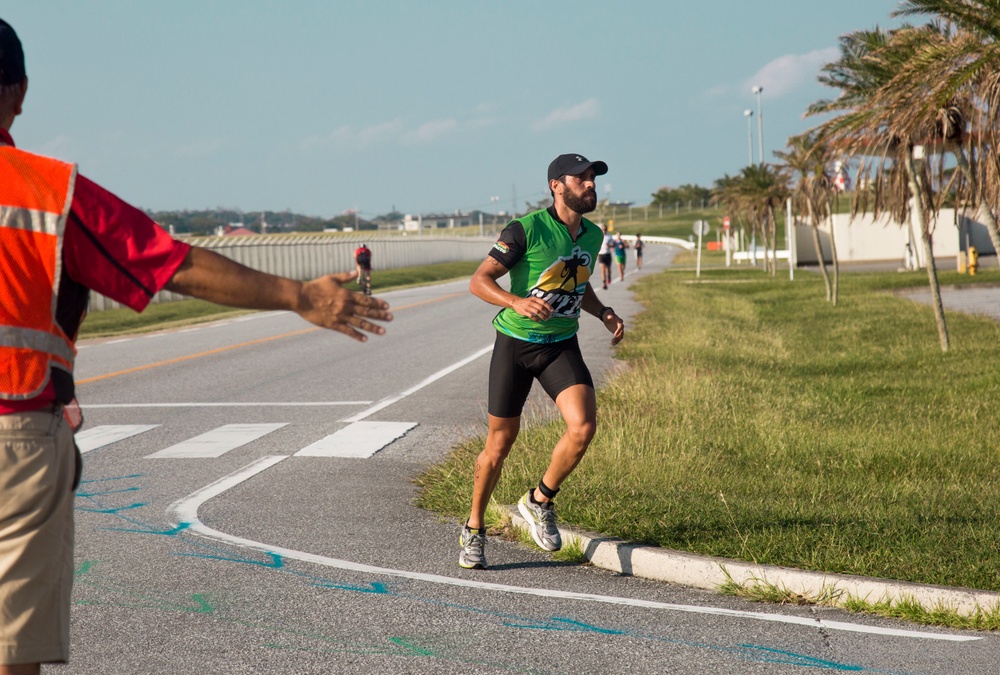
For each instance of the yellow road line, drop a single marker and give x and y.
(242, 344)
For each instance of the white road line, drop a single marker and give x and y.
(185, 512)
(386, 402)
(215, 404)
(358, 440)
(98, 437)
(217, 442)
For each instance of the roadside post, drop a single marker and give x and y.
(728, 243)
(792, 247)
(700, 229)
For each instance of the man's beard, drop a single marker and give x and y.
(584, 203)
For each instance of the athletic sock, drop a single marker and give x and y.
(531, 496)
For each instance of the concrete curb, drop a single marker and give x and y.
(707, 572)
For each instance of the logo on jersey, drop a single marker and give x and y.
(563, 283)
(502, 247)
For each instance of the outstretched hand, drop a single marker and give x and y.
(325, 302)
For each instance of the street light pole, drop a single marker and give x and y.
(749, 114)
(496, 215)
(760, 123)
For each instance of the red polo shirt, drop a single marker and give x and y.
(110, 247)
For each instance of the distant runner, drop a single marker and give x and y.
(638, 246)
(604, 257)
(619, 245)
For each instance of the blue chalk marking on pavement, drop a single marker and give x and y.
(803, 660)
(113, 510)
(374, 587)
(277, 562)
(105, 492)
(101, 480)
(172, 532)
(559, 623)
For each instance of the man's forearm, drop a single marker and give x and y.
(489, 290)
(206, 275)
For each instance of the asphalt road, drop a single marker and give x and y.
(247, 507)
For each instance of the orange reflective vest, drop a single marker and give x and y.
(35, 197)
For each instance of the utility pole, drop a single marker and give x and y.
(760, 123)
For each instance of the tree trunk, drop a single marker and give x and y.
(819, 251)
(984, 207)
(774, 241)
(836, 264)
(925, 236)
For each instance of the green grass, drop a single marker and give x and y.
(181, 313)
(758, 422)
(905, 608)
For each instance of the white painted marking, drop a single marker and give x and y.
(386, 402)
(217, 442)
(186, 512)
(360, 440)
(217, 404)
(98, 437)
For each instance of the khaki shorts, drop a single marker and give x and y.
(37, 463)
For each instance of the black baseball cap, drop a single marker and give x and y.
(574, 165)
(11, 56)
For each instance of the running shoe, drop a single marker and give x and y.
(473, 543)
(541, 519)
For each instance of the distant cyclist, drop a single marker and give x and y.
(363, 259)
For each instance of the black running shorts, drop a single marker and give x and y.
(516, 364)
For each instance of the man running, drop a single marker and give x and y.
(638, 246)
(363, 260)
(536, 339)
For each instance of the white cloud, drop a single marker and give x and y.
(394, 131)
(346, 134)
(785, 73)
(586, 110)
(380, 132)
(429, 131)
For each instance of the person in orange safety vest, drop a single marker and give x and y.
(61, 236)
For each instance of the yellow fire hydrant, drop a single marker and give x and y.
(973, 260)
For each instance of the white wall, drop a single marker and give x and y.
(865, 239)
(309, 256)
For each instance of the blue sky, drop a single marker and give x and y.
(423, 106)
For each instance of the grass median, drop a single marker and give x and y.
(758, 422)
(167, 315)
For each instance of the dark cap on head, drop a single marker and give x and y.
(574, 165)
(11, 56)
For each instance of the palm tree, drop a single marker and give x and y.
(871, 125)
(753, 196)
(962, 65)
(726, 193)
(807, 159)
